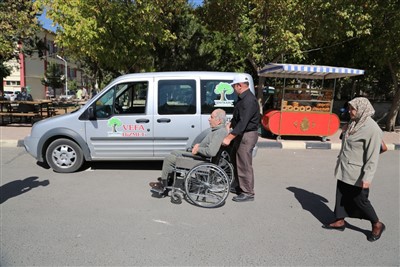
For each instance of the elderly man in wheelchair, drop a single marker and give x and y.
(203, 173)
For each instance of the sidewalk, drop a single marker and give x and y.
(13, 136)
(392, 140)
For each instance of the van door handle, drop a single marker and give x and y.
(164, 120)
(142, 121)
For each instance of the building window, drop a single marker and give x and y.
(52, 48)
(13, 83)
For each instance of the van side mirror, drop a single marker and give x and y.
(91, 114)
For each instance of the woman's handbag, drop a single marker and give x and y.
(383, 147)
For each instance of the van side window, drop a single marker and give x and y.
(131, 98)
(176, 97)
(124, 98)
(211, 100)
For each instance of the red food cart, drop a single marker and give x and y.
(303, 105)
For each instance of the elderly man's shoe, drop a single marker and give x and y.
(157, 188)
(243, 197)
(377, 231)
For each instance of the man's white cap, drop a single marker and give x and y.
(240, 78)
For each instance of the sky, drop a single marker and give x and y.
(197, 2)
(46, 22)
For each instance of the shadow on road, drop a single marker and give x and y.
(16, 188)
(355, 228)
(124, 165)
(313, 203)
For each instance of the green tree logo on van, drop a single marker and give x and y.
(114, 123)
(223, 89)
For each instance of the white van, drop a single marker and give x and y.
(142, 116)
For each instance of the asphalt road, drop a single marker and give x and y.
(105, 216)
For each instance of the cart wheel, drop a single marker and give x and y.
(278, 138)
(324, 138)
(176, 198)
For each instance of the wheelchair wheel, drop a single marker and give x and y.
(207, 185)
(176, 198)
(225, 155)
(228, 169)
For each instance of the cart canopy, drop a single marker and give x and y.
(277, 70)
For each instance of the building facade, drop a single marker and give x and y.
(30, 70)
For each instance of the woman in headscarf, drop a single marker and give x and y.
(355, 169)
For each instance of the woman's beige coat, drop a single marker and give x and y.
(359, 155)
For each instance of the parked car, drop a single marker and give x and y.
(69, 96)
(11, 95)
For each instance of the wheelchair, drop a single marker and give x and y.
(204, 182)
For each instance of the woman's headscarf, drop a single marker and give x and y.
(364, 110)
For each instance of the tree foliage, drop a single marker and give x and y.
(113, 36)
(182, 51)
(370, 41)
(18, 28)
(383, 48)
(245, 35)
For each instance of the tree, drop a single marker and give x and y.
(114, 36)
(244, 35)
(383, 45)
(182, 52)
(18, 28)
(248, 34)
(369, 40)
(53, 77)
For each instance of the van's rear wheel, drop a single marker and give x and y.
(64, 155)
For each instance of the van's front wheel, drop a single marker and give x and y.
(64, 155)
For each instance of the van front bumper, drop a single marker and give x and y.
(31, 146)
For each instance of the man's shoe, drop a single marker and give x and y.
(155, 184)
(243, 197)
(157, 188)
(375, 236)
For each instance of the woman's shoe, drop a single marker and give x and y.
(335, 226)
(375, 236)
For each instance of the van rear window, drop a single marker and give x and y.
(176, 97)
(217, 94)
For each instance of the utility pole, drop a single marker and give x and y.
(66, 75)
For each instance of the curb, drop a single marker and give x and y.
(310, 145)
(264, 145)
(11, 143)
